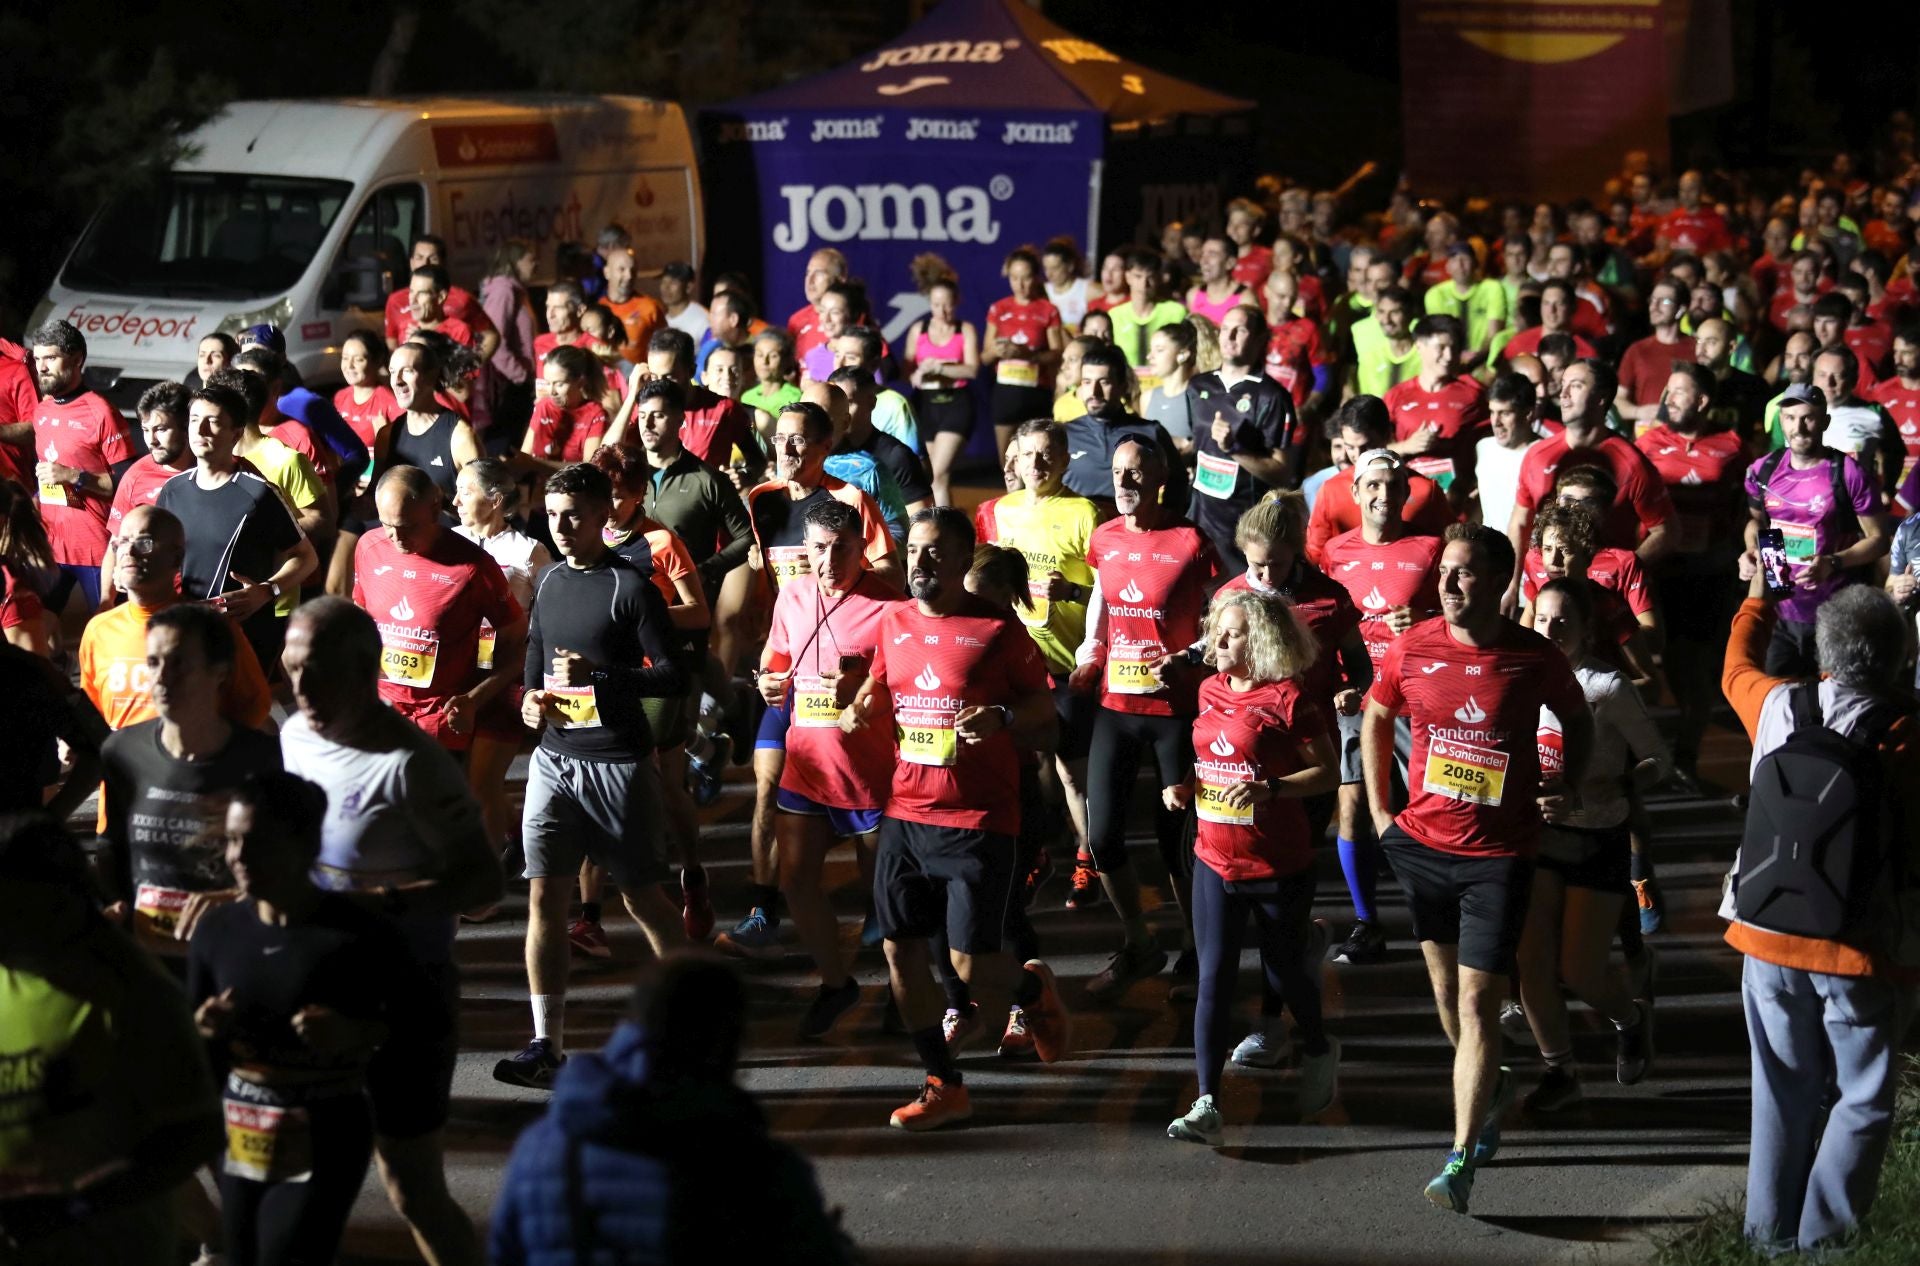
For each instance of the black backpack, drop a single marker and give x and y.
(1815, 852)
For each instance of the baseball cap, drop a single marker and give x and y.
(1375, 457)
(678, 271)
(1803, 393)
(265, 335)
(1460, 248)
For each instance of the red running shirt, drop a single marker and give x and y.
(933, 667)
(1475, 712)
(811, 632)
(1402, 573)
(1153, 591)
(1617, 570)
(1703, 477)
(367, 417)
(1251, 736)
(713, 426)
(1642, 500)
(86, 433)
(561, 435)
(139, 486)
(1456, 411)
(1902, 404)
(1026, 324)
(429, 608)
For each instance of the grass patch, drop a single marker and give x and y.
(1889, 1237)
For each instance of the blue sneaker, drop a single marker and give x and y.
(703, 776)
(1453, 1185)
(870, 934)
(756, 936)
(534, 1068)
(1488, 1144)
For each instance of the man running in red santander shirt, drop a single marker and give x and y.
(1471, 684)
(968, 692)
(1440, 414)
(82, 446)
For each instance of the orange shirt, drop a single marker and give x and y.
(113, 672)
(641, 316)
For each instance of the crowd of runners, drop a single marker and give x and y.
(1410, 538)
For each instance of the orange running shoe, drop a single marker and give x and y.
(1016, 1042)
(939, 1104)
(1083, 890)
(1048, 1022)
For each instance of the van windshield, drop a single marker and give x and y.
(207, 235)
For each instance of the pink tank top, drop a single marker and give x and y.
(1197, 301)
(949, 351)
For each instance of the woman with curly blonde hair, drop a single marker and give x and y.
(1261, 746)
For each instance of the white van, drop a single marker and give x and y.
(302, 213)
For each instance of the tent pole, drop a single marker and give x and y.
(1093, 215)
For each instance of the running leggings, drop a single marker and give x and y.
(1281, 910)
(1120, 739)
(300, 1223)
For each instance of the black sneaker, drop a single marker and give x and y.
(535, 1068)
(1633, 1057)
(1364, 944)
(827, 1007)
(1558, 1089)
(1132, 963)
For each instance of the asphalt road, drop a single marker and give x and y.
(1069, 1163)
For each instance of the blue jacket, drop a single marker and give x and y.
(646, 1173)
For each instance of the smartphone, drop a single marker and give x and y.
(1773, 563)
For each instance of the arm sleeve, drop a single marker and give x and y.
(662, 675)
(533, 676)
(1743, 681)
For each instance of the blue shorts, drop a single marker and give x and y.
(74, 576)
(845, 822)
(773, 731)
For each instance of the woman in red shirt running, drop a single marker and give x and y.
(1260, 747)
(1023, 342)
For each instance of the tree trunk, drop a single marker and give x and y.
(385, 79)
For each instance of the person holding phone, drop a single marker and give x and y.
(1828, 519)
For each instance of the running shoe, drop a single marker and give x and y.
(1642, 973)
(704, 777)
(1130, 964)
(1037, 876)
(1633, 1047)
(940, 1103)
(1364, 944)
(696, 904)
(535, 1068)
(1200, 1125)
(1513, 1022)
(828, 1005)
(1487, 1146)
(1048, 1021)
(755, 936)
(871, 937)
(1083, 890)
(1653, 910)
(1686, 781)
(1319, 1075)
(1016, 1042)
(1453, 1185)
(959, 1027)
(1185, 989)
(1558, 1090)
(589, 938)
(1265, 1047)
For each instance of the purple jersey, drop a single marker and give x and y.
(1800, 504)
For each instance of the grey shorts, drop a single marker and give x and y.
(606, 811)
(1351, 769)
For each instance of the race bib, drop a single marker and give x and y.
(925, 735)
(1210, 805)
(1130, 670)
(267, 1143)
(409, 661)
(578, 704)
(158, 910)
(1438, 469)
(53, 494)
(787, 561)
(1460, 771)
(488, 636)
(1019, 373)
(1802, 542)
(1216, 476)
(814, 705)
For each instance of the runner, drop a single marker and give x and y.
(80, 445)
(1825, 507)
(1580, 884)
(1053, 530)
(294, 990)
(1104, 424)
(565, 305)
(1171, 352)
(430, 590)
(825, 267)
(1022, 345)
(862, 435)
(1384, 352)
(713, 428)
(1463, 847)
(599, 641)
(863, 350)
(1145, 308)
(1152, 573)
(164, 795)
(568, 424)
(1862, 429)
(1259, 747)
(423, 434)
(428, 251)
(1480, 305)
(1391, 572)
(967, 690)
(1565, 546)
(1646, 366)
(1511, 418)
(1247, 437)
(163, 429)
(942, 358)
(365, 403)
(832, 787)
(402, 831)
(1366, 425)
(639, 315)
(1216, 292)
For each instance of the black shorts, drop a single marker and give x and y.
(924, 873)
(1076, 711)
(950, 410)
(1478, 904)
(1014, 405)
(1600, 859)
(410, 1079)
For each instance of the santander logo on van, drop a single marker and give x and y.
(889, 213)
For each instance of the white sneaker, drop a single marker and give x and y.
(1200, 1125)
(1319, 1074)
(1264, 1047)
(1513, 1022)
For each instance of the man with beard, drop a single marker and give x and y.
(82, 446)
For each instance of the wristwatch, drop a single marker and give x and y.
(273, 587)
(1006, 715)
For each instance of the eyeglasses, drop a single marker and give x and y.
(789, 443)
(138, 545)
